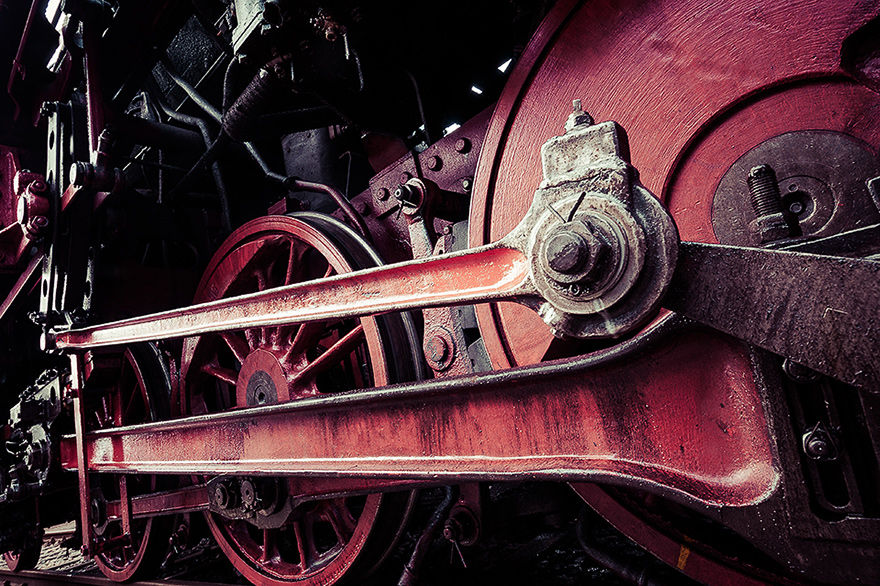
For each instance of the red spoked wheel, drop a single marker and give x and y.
(140, 386)
(326, 541)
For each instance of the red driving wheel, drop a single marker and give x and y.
(704, 91)
(696, 87)
(319, 542)
(140, 387)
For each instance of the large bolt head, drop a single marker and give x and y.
(575, 253)
(566, 251)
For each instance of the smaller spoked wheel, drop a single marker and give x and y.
(320, 542)
(26, 556)
(139, 385)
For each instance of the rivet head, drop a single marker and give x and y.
(438, 349)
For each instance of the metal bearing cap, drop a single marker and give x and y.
(603, 271)
(589, 263)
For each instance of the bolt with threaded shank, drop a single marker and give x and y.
(764, 191)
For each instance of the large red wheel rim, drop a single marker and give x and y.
(134, 400)
(246, 551)
(694, 89)
(697, 88)
(329, 540)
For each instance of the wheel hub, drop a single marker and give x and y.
(821, 175)
(262, 380)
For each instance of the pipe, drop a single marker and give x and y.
(223, 139)
(215, 166)
(410, 574)
(193, 94)
(162, 136)
(241, 118)
(421, 106)
(208, 158)
(295, 184)
(229, 83)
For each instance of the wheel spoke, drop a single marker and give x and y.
(294, 261)
(298, 532)
(306, 337)
(342, 521)
(126, 414)
(269, 548)
(254, 338)
(343, 347)
(237, 345)
(281, 335)
(226, 375)
(262, 278)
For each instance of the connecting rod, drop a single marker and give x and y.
(595, 256)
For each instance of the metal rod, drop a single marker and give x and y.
(329, 435)
(193, 94)
(79, 422)
(488, 273)
(294, 184)
(94, 87)
(26, 278)
(410, 575)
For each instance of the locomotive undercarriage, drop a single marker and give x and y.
(255, 282)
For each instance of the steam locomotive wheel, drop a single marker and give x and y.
(26, 557)
(695, 90)
(703, 93)
(327, 541)
(141, 388)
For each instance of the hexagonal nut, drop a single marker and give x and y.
(573, 252)
(769, 228)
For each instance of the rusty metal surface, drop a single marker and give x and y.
(526, 422)
(832, 329)
(184, 500)
(821, 176)
(459, 278)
